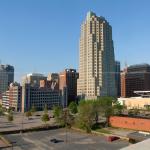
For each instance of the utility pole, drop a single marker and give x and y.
(21, 131)
(66, 118)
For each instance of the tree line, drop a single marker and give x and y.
(88, 113)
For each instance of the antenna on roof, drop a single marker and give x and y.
(126, 65)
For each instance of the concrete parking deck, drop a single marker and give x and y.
(75, 141)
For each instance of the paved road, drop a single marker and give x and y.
(75, 141)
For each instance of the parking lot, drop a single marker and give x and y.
(71, 141)
(22, 122)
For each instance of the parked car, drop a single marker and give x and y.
(54, 140)
(112, 138)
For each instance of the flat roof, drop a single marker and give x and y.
(144, 145)
(142, 91)
(138, 136)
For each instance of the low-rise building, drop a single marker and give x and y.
(12, 97)
(135, 102)
(39, 97)
(138, 124)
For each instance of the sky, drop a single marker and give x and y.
(42, 36)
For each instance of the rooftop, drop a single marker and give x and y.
(144, 145)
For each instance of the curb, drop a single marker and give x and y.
(7, 142)
(40, 128)
(100, 133)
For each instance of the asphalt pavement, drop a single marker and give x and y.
(70, 140)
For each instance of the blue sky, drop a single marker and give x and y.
(43, 35)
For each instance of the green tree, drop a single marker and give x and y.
(10, 110)
(10, 117)
(45, 118)
(33, 109)
(97, 110)
(58, 115)
(28, 114)
(1, 111)
(86, 115)
(73, 107)
(67, 118)
(56, 111)
(106, 107)
(136, 111)
(117, 108)
(45, 109)
(63, 116)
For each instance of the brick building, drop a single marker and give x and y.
(138, 124)
(68, 79)
(12, 97)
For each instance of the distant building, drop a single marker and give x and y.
(38, 91)
(52, 84)
(135, 78)
(135, 102)
(33, 79)
(39, 97)
(117, 78)
(97, 60)
(6, 77)
(53, 77)
(68, 80)
(12, 97)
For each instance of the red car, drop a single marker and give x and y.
(112, 138)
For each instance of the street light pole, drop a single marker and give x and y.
(12, 145)
(66, 134)
(65, 116)
(22, 123)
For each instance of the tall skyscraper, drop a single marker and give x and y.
(6, 77)
(97, 62)
(118, 78)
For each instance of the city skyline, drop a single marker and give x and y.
(74, 74)
(31, 31)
